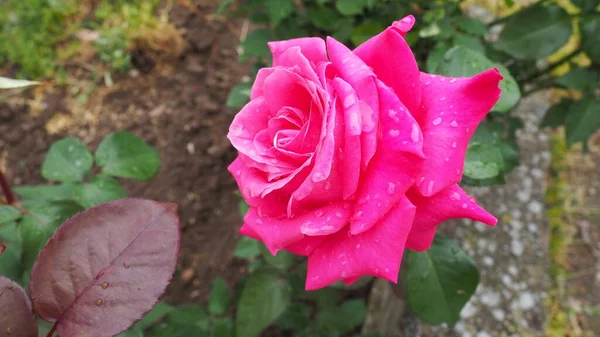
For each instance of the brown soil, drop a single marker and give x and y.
(177, 105)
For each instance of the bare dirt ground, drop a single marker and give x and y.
(178, 106)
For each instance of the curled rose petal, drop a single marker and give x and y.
(313, 48)
(393, 62)
(278, 233)
(451, 202)
(452, 109)
(377, 252)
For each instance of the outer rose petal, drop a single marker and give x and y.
(393, 62)
(356, 73)
(305, 246)
(452, 202)
(280, 233)
(451, 111)
(395, 166)
(377, 252)
(312, 47)
(253, 118)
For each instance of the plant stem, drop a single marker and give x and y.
(51, 332)
(8, 194)
(555, 65)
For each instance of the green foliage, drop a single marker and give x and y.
(38, 35)
(122, 154)
(439, 282)
(44, 208)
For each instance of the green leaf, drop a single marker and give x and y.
(350, 7)
(439, 281)
(471, 42)
(68, 160)
(583, 120)
(283, 260)
(535, 32)
(179, 330)
(488, 154)
(342, 320)
(224, 5)
(361, 282)
(99, 190)
(123, 154)
(326, 297)
(9, 214)
(324, 18)
(279, 9)
(255, 44)
(223, 327)
(264, 298)
(9, 83)
(10, 261)
(296, 317)
(189, 314)
(47, 192)
(239, 95)
(247, 248)
(365, 31)
(435, 57)
(220, 298)
(34, 238)
(557, 114)
(579, 79)
(471, 25)
(586, 5)
(132, 332)
(160, 310)
(590, 36)
(462, 61)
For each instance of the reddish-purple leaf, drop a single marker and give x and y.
(16, 316)
(105, 268)
(2, 248)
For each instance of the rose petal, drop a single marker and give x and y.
(253, 118)
(279, 233)
(360, 77)
(394, 168)
(285, 88)
(313, 48)
(377, 252)
(348, 103)
(393, 62)
(451, 202)
(451, 111)
(325, 181)
(294, 57)
(306, 245)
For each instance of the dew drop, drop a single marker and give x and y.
(437, 121)
(414, 133)
(391, 188)
(358, 215)
(464, 206)
(457, 171)
(99, 302)
(454, 123)
(394, 133)
(126, 266)
(274, 161)
(430, 187)
(358, 246)
(455, 196)
(453, 80)
(387, 270)
(327, 185)
(447, 159)
(443, 98)
(339, 215)
(453, 145)
(468, 129)
(393, 115)
(9, 331)
(421, 181)
(344, 274)
(105, 285)
(376, 270)
(319, 213)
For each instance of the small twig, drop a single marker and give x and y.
(51, 332)
(8, 194)
(555, 65)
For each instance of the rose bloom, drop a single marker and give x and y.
(351, 156)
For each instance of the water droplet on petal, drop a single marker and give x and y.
(344, 274)
(464, 206)
(458, 171)
(453, 80)
(443, 98)
(358, 215)
(455, 196)
(339, 215)
(414, 133)
(376, 270)
(349, 101)
(319, 213)
(454, 123)
(391, 188)
(394, 133)
(126, 266)
(358, 246)
(453, 145)
(99, 302)
(447, 159)
(437, 121)
(430, 187)
(327, 185)
(421, 181)
(393, 115)
(105, 285)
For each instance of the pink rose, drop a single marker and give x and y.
(349, 157)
